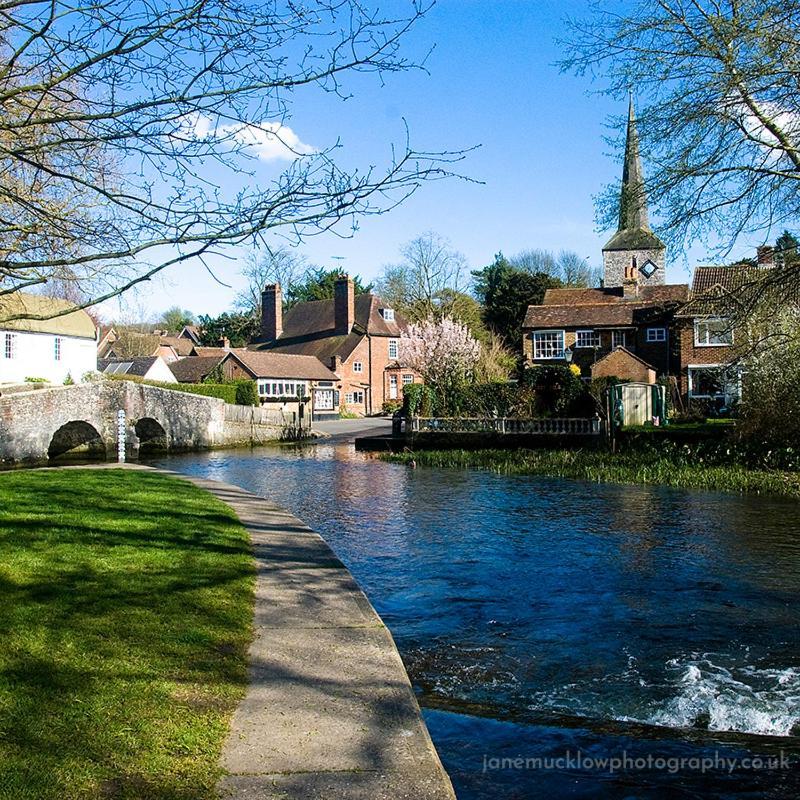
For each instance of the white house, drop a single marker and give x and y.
(44, 348)
(151, 368)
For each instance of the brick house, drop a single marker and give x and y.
(633, 310)
(296, 384)
(356, 337)
(709, 343)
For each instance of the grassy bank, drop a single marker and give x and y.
(125, 606)
(600, 466)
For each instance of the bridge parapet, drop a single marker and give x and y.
(46, 423)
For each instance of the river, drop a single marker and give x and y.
(568, 639)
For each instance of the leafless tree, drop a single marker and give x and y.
(716, 82)
(270, 265)
(567, 266)
(428, 281)
(129, 131)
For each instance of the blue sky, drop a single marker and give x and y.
(491, 82)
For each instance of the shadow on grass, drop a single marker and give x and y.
(126, 607)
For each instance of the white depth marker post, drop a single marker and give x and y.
(121, 436)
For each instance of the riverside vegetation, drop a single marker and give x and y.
(677, 466)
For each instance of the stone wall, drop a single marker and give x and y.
(33, 423)
(615, 262)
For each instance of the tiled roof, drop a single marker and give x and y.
(729, 278)
(617, 351)
(126, 366)
(308, 328)
(637, 239)
(77, 323)
(199, 350)
(269, 364)
(180, 344)
(597, 308)
(715, 290)
(671, 292)
(194, 369)
(600, 315)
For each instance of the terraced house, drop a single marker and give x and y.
(356, 337)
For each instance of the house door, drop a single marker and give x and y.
(393, 387)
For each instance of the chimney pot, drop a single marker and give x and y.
(271, 312)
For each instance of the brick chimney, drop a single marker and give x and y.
(766, 256)
(271, 312)
(344, 306)
(225, 343)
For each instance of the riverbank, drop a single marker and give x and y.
(126, 609)
(605, 467)
(137, 663)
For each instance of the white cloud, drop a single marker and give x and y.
(269, 141)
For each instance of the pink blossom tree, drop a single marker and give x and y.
(443, 352)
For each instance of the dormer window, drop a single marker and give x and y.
(387, 314)
(648, 268)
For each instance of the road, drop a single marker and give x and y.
(345, 430)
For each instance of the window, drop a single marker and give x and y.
(268, 388)
(10, 349)
(324, 399)
(587, 339)
(407, 379)
(618, 339)
(656, 335)
(358, 366)
(57, 348)
(714, 382)
(548, 344)
(392, 348)
(388, 314)
(354, 398)
(648, 268)
(712, 332)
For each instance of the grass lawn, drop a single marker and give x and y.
(602, 466)
(125, 611)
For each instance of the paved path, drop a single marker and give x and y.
(349, 429)
(329, 713)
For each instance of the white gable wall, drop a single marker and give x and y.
(160, 372)
(34, 357)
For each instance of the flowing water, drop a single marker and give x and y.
(568, 639)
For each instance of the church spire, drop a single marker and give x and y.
(634, 252)
(632, 201)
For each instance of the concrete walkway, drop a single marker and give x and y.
(345, 430)
(329, 712)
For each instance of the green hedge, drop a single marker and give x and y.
(224, 391)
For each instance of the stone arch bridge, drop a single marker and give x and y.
(81, 420)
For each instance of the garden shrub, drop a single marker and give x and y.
(418, 400)
(391, 406)
(559, 392)
(246, 392)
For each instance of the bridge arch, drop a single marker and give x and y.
(151, 435)
(77, 438)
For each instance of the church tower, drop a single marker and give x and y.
(634, 256)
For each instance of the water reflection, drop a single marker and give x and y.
(597, 614)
